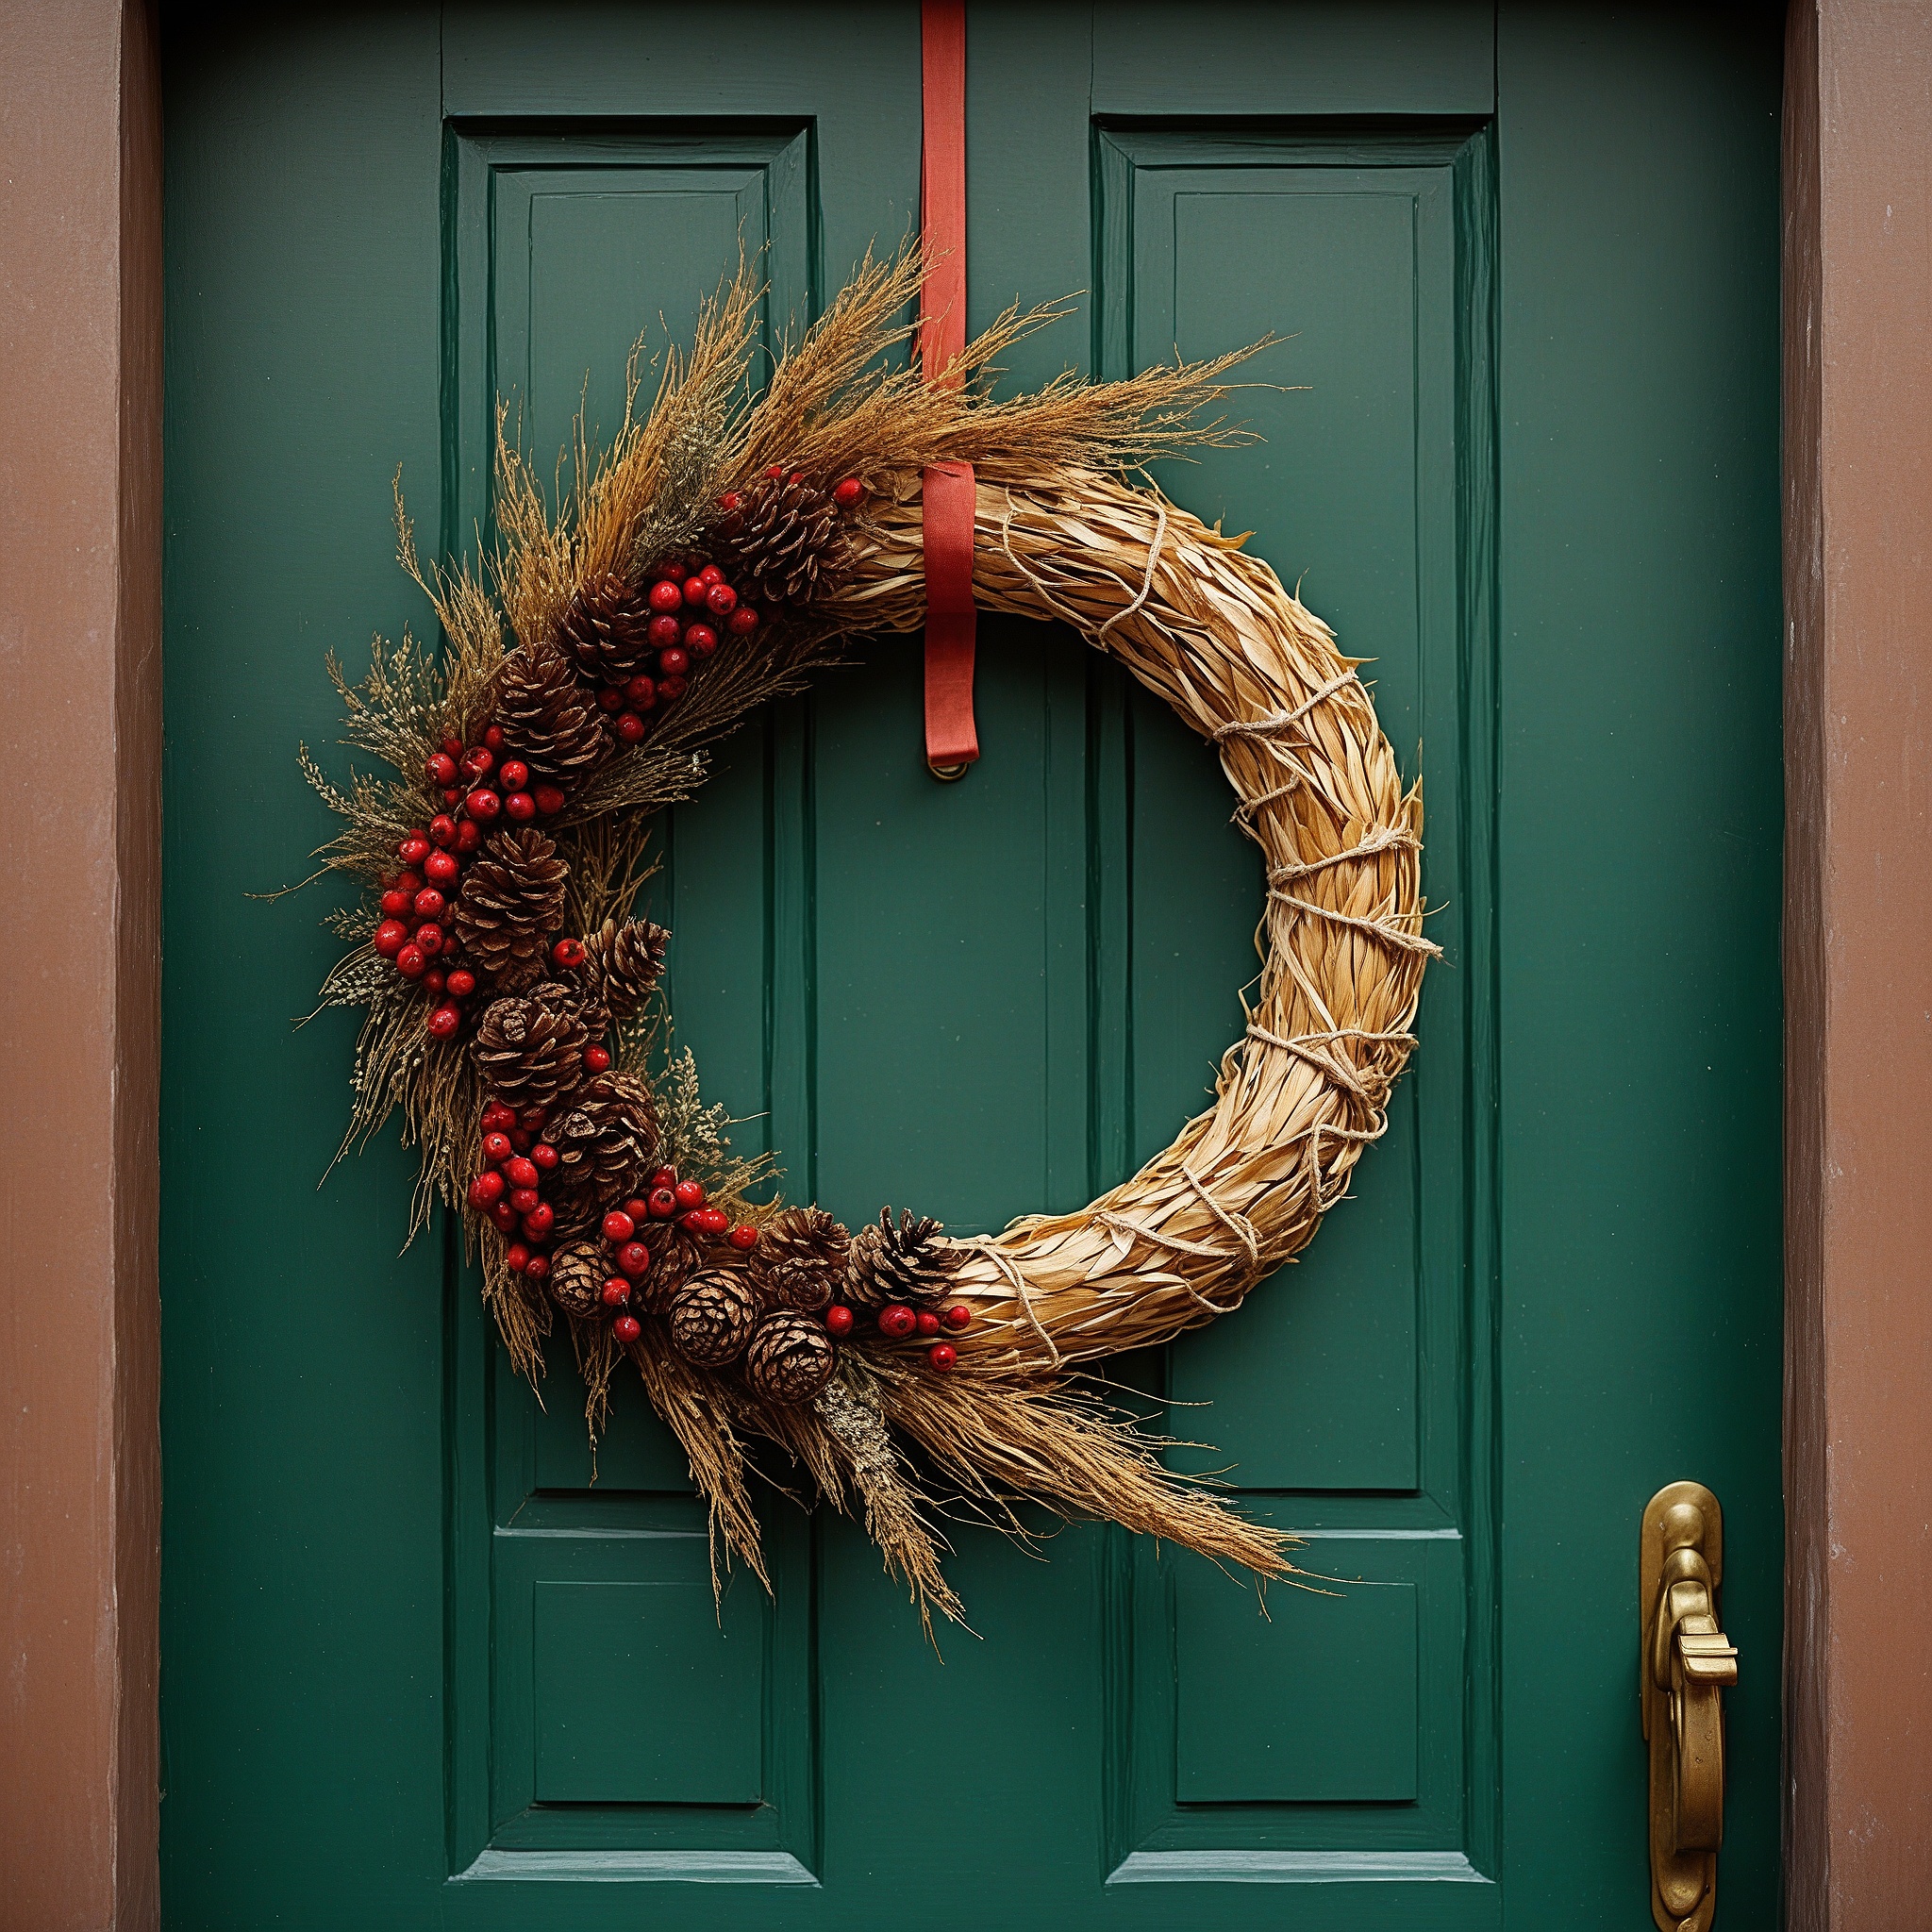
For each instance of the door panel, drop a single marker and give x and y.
(432, 1658)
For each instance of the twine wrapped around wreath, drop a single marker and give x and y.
(1211, 630)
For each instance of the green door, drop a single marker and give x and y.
(419, 1669)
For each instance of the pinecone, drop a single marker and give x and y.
(778, 538)
(576, 1278)
(547, 717)
(510, 903)
(621, 963)
(530, 1051)
(711, 1320)
(604, 629)
(605, 1140)
(676, 1257)
(904, 1263)
(800, 1260)
(789, 1358)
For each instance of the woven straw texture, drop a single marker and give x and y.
(1211, 630)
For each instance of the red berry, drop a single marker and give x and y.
(461, 984)
(663, 631)
(444, 1020)
(664, 1177)
(720, 600)
(627, 1328)
(848, 493)
(688, 1195)
(638, 1210)
(433, 979)
(537, 1267)
(743, 621)
(630, 727)
(430, 939)
(730, 500)
(745, 1236)
(666, 596)
(469, 835)
(486, 1189)
(941, 1356)
(542, 1157)
(711, 574)
(453, 748)
(411, 963)
(427, 903)
(540, 1218)
(522, 1199)
(549, 799)
(441, 769)
(450, 796)
(482, 805)
(796, 476)
(696, 590)
(568, 952)
(669, 690)
(597, 1060)
(441, 867)
(504, 1215)
(926, 1322)
(496, 1147)
(839, 1319)
(715, 1220)
(772, 471)
(442, 829)
(663, 1204)
(521, 1172)
(958, 1316)
(611, 698)
(476, 760)
(693, 1220)
(532, 1118)
(514, 775)
(700, 637)
(616, 1291)
(414, 849)
(390, 937)
(520, 1139)
(395, 902)
(497, 1117)
(674, 663)
(634, 1259)
(897, 1320)
(521, 807)
(493, 738)
(516, 1257)
(618, 1228)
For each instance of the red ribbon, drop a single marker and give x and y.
(952, 741)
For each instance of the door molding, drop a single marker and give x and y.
(79, 614)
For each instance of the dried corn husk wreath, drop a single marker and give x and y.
(730, 1335)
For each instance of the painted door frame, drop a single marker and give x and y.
(80, 255)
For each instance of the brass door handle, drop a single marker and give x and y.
(1686, 1663)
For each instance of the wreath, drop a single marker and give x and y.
(714, 556)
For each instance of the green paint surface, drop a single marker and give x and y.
(425, 1663)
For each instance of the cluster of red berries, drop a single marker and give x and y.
(510, 1189)
(477, 789)
(898, 1322)
(691, 603)
(667, 1199)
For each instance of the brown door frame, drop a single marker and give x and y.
(80, 627)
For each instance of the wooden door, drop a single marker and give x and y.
(420, 1669)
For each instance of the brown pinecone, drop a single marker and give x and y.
(780, 537)
(904, 1264)
(621, 963)
(604, 629)
(711, 1320)
(676, 1257)
(530, 1051)
(800, 1260)
(547, 715)
(606, 1139)
(510, 903)
(788, 1358)
(576, 1278)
